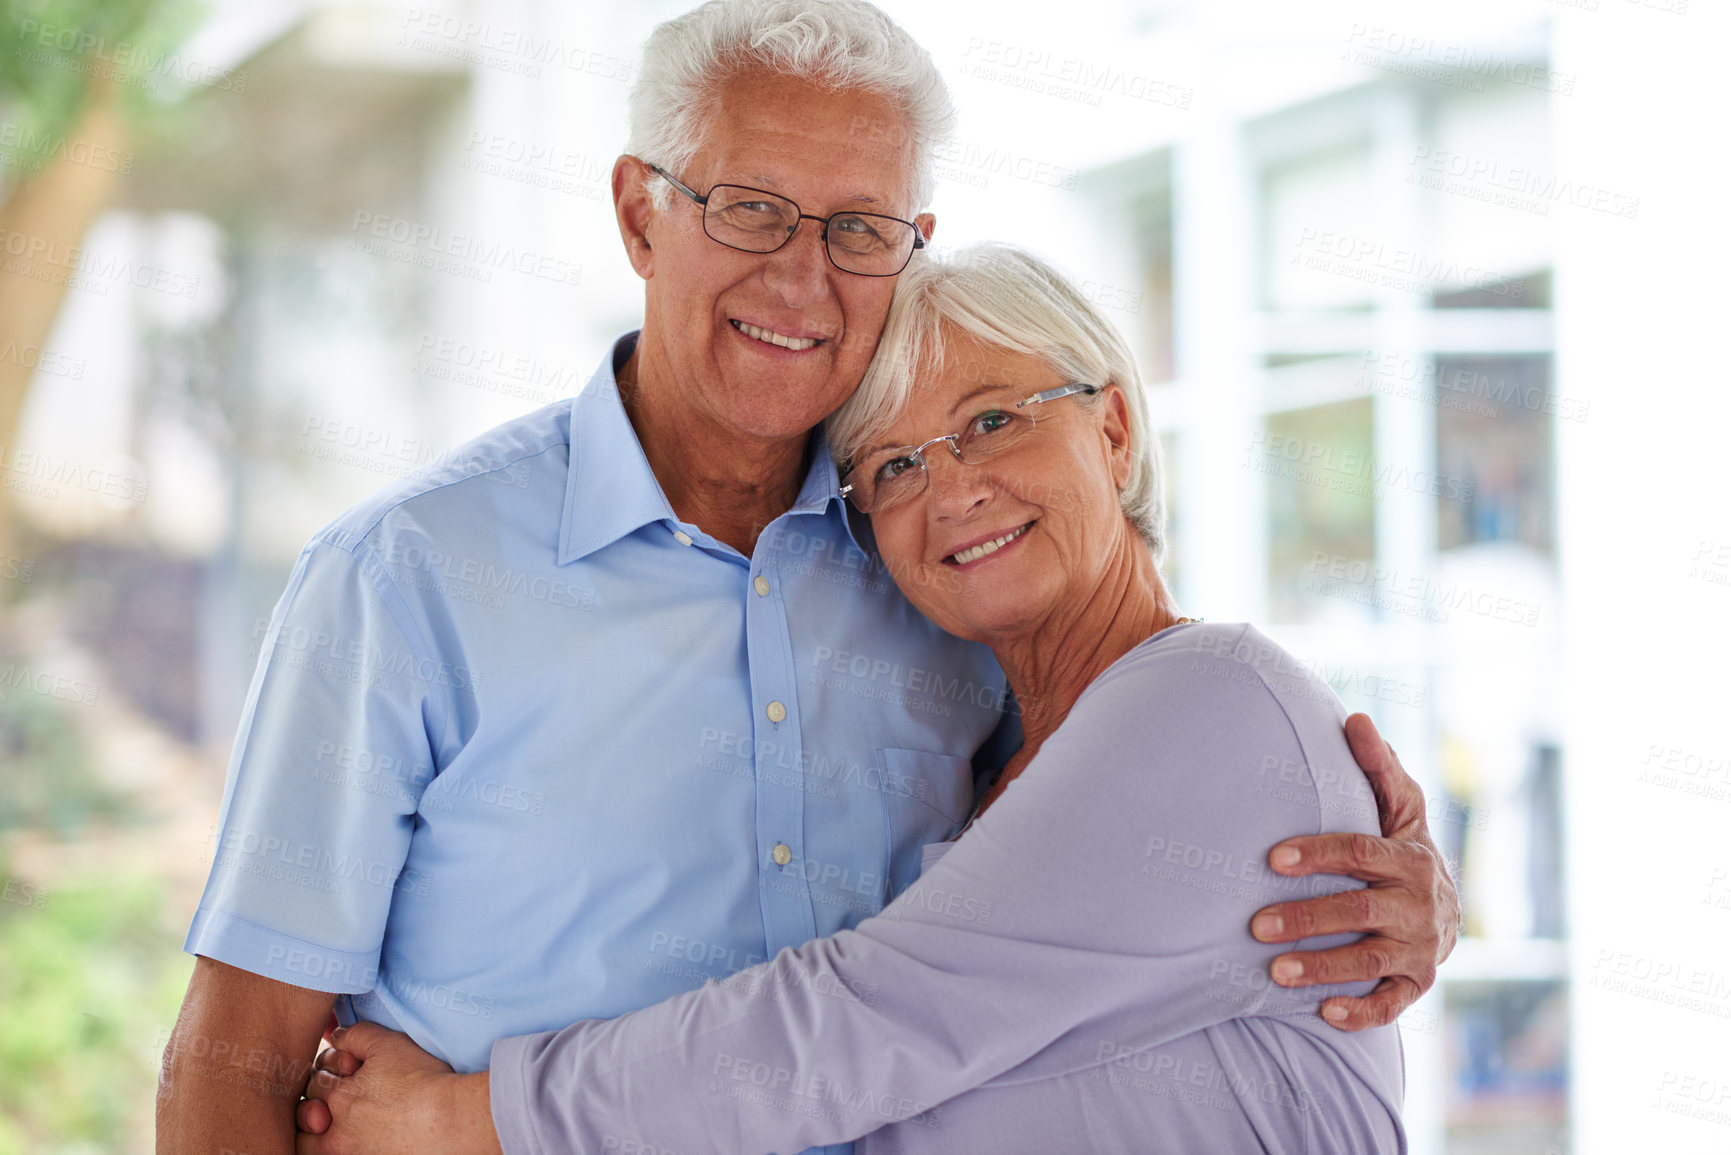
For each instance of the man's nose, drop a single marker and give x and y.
(798, 272)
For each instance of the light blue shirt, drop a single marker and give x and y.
(524, 748)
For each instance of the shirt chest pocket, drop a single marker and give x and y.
(927, 797)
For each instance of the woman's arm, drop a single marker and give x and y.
(1106, 895)
(1099, 890)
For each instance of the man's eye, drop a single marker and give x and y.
(753, 213)
(857, 232)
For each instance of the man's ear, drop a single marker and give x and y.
(1120, 451)
(927, 224)
(635, 212)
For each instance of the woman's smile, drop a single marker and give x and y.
(968, 556)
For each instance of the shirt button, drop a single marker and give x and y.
(781, 854)
(680, 536)
(761, 585)
(777, 712)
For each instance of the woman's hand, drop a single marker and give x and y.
(377, 1093)
(1409, 915)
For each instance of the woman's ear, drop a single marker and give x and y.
(1121, 454)
(635, 212)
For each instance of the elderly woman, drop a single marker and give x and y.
(1075, 971)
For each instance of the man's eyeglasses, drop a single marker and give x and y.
(754, 221)
(886, 478)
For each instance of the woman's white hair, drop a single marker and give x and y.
(836, 44)
(1007, 298)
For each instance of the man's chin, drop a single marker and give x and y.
(770, 408)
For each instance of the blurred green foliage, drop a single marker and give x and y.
(52, 51)
(91, 976)
(50, 782)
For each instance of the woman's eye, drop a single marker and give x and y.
(894, 468)
(991, 422)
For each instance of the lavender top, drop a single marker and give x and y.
(1075, 973)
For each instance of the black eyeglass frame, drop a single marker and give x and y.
(702, 201)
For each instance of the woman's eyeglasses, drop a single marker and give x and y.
(885, 478)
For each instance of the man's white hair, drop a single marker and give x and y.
(1005, 298)
(845, 45)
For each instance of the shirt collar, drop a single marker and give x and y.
(610, 491)
(823, 487)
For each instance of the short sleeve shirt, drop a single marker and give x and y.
(524, 748)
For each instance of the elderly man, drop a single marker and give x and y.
(614, 701)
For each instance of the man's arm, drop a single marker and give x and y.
(236, 1063)
(1410, 913)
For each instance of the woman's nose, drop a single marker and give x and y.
(957, 489)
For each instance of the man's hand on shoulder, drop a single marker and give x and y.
(1410, 913)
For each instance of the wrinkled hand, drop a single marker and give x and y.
(376, 1092)
(1410, 914)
